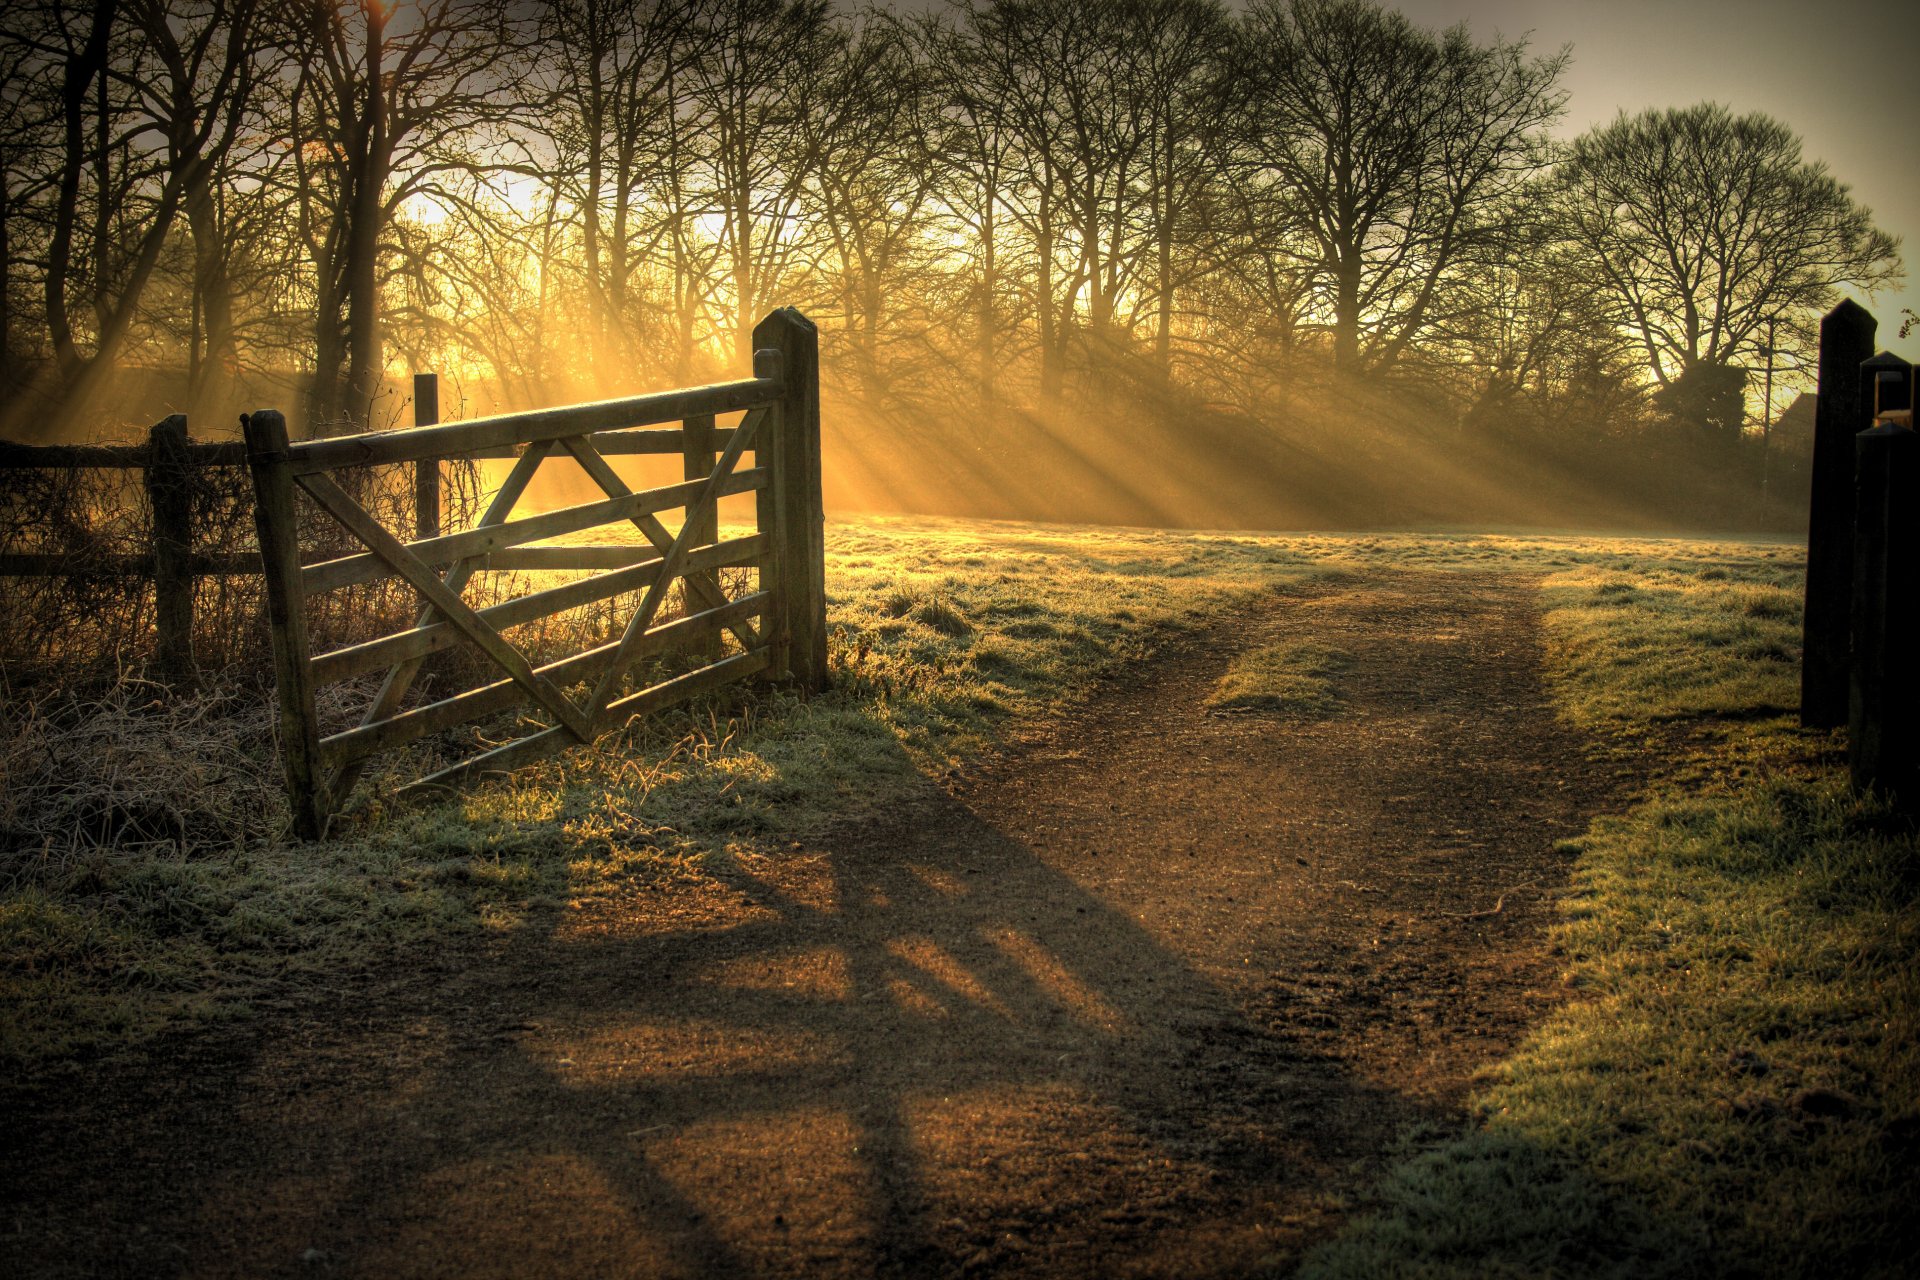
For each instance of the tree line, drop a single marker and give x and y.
(998, 210)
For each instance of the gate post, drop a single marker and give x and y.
(1840, 414)
(426, 472)
(799, 530)
(1883, 726)
(170, 500)
(274, 519)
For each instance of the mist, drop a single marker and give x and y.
(1111, 262)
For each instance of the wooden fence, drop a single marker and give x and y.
(168, 463)
(779, 628)
(1862, 617)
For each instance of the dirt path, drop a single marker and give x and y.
(1152, 996)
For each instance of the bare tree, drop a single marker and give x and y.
(970, 150)
(753, 89)
(1396, 151)
(141, 101)
(873, 187)
(622, 132)
(1186, 99)
(1700, 228)
(386, 108)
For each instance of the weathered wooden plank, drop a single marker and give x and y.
(696, 460)
(209, 453)
(356, 521)
(1842, 413)
(202, 564)
(168, 483)
(426, 471)
(538, 746)
(671, 565)
(799, 511)
(454, 438)
(659, 697)
(570, 556)
(356, 660)
(632, 443)
(35, 564)
(393, 690)
(352, 745)
(656, 533)
(274, 519)
(347, 571)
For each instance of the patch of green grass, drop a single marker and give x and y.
(1285, 679)
(1640, 640)
(1735, 1087)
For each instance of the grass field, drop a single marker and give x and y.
(1731, 1087)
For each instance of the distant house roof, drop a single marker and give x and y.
(1797, 418)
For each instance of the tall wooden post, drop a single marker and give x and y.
(1900, 736)
(426, 472)
(799, 528)
(1883, 728)
(697, 456)
(1846, 339)
(274, 519)
(170, 500)
(1886, 384)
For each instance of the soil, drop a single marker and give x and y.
(1159, 992)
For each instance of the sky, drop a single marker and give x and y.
(1840, 73)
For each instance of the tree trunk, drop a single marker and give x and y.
(365, 366)
(989, 354)
(216, 355)
(1051, 374)
(1346, 313)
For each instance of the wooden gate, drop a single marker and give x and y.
(779, 627)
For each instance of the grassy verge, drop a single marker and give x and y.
(1733, 1090)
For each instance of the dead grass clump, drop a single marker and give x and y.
(939, 614)
(135, 769)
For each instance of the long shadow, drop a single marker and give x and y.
(807, 1078)
(629, 1044)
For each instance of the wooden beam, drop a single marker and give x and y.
(451, 439)
(614, 444)
(1840, 414)
(393, 690)
(426, 471)
(671, 565)
(523, 751)
(169, 489)
(214, 453)
(656, 533)
(275, 519)
(356, 744)
(799, 512)
(696, 460)
(335, 501)
(347, 571)
(432, 637)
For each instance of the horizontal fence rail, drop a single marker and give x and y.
(777, 629)
(167, 464)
